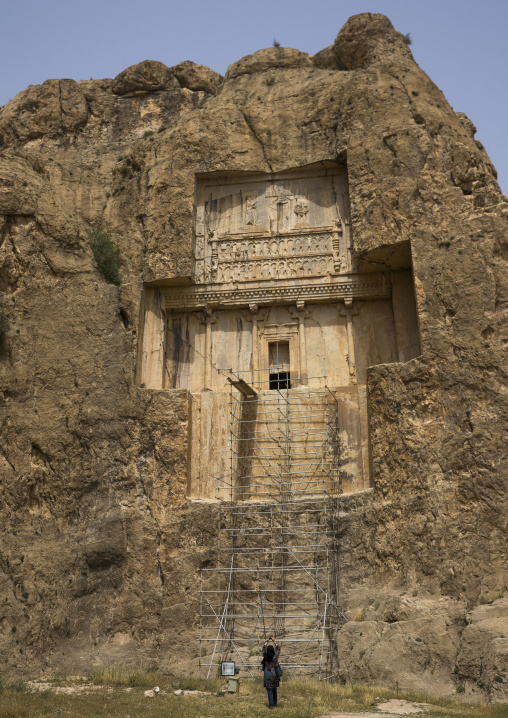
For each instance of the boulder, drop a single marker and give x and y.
(55, 107)
(368, 38)
(197, 77)
(270, 58)
(146, 76)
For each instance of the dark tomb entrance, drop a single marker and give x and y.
(278, 357)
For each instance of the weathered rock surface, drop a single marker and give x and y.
(47, 110)
(147, 76)
(197, 77)
(269, 59)
(100, 549)
(368, 39)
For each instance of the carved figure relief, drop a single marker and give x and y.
(301, 208)
(265, 227)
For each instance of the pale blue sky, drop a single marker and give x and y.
(461, 44)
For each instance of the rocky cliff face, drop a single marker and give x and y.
(100, 549)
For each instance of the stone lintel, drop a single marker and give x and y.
(327, 289)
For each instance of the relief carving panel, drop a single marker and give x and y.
(278, 226)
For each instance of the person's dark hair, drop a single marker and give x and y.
(268, 657)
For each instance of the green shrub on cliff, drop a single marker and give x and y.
(4, 326)
(107, 254)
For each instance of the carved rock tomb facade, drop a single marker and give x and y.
(278, 299)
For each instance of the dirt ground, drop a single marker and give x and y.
(394, 708)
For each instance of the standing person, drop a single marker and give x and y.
(271, 670)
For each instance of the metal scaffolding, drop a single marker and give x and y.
(277, 572)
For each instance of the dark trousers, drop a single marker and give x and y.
(272, 695)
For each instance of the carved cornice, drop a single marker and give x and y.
(327, 290)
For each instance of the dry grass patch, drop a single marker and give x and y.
(121, 675)
(118, 692)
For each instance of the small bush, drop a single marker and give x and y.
(4, 326)
(270, 80)
(148, 133)
(120, 675)
(106, 254)
(19, 686)
(276, 43)
(407, 38)
(460, 688)
(359, 615)
(124, 170)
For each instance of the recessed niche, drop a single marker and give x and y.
(278, 297)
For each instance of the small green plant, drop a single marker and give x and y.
(106, 254)
(270, 80)
(4, 326)
(415, 93)
(362, 653)
(446, 243)
(359, 615)
(19, 686)
(276, 43)
(407, 38)
(498, 679)
(148, 133)
(460, 688)
(124, 170)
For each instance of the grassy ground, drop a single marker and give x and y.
(115, 692)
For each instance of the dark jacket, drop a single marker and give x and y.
(274, 661)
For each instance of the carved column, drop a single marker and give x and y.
(257, 316)
(302, 314)
(209, 319)
(349, 311)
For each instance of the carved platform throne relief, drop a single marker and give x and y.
(280, 227)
